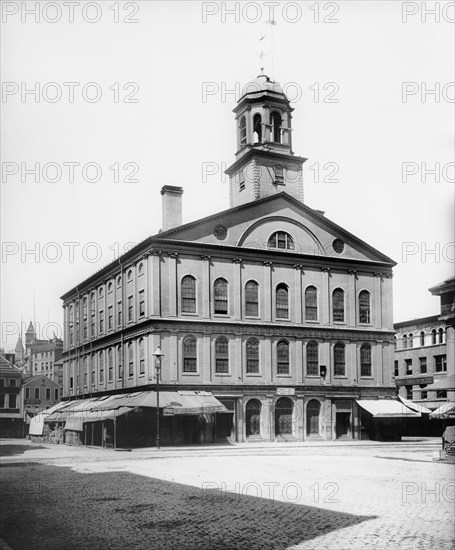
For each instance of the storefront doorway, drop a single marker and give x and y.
(343, 424)
(313, 410)
(253, 418)
(283, 416)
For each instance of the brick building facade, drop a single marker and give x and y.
(277, 311)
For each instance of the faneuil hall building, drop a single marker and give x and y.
(268, 309)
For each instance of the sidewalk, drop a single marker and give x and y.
(23, 450)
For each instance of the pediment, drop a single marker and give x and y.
(251, 226)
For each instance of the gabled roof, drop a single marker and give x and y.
(6, 369)
(178, 234)
(36, 377)
(274, 198)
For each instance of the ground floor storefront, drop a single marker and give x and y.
(228, 415)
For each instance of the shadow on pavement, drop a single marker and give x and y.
(11, 449)
(48, 507)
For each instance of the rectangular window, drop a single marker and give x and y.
(409, 392)
(56, 394)
(423, 365)
(101, 321)
(37, 393)
(241, 180)
(111, 374)
(396, 368)
(141, 303)
(130, 308)
(48, 393)
(12, 381)
(440, 363)
(423, 394)
(441, 394)
(110, 318)
(12, 401)
(279, 175)
(2, 382)
(408, 364)
(2, 400)
(27, 393)
(119, 314)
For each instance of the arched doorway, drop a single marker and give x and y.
(312, 417)
(253, 418)
(283, 416)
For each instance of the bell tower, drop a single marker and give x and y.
(265, 163)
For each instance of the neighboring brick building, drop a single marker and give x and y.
(45, 359)
(39, 393)
(11, 414)
(421, 359)
(280, 313)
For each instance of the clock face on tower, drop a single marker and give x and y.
(220, 232)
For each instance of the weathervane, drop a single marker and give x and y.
(262, 54)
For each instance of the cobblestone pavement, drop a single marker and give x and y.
(276, 496)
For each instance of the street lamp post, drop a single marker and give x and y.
(158, 355)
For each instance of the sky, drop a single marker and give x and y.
(131, 96)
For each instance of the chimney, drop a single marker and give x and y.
(171, 206)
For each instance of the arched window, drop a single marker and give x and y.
(252, 356)
(312, 358)
(365, 360)
(311, 304)
(405, 341)
(364, 307)
(283, 416)
(101, 359)
(220, 288)
(119, 280)
(282, 357)
(282, 301)
(222, 355)
(411, 340)
(101, 292)
(189, 354)
(120, 361)
(312, 417)
(275, 123)
(130, 274)
(140, 269)
(141, 356)
(243, 131)
(130, 359)
(188, 291)
(338, 305)
(253, 417)
(422, 338)
(282, 240)
(434, 336)
(109, 287)
(440, 336)
(339, 360)
(257, 128)
(110, 365)
(252, 299)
